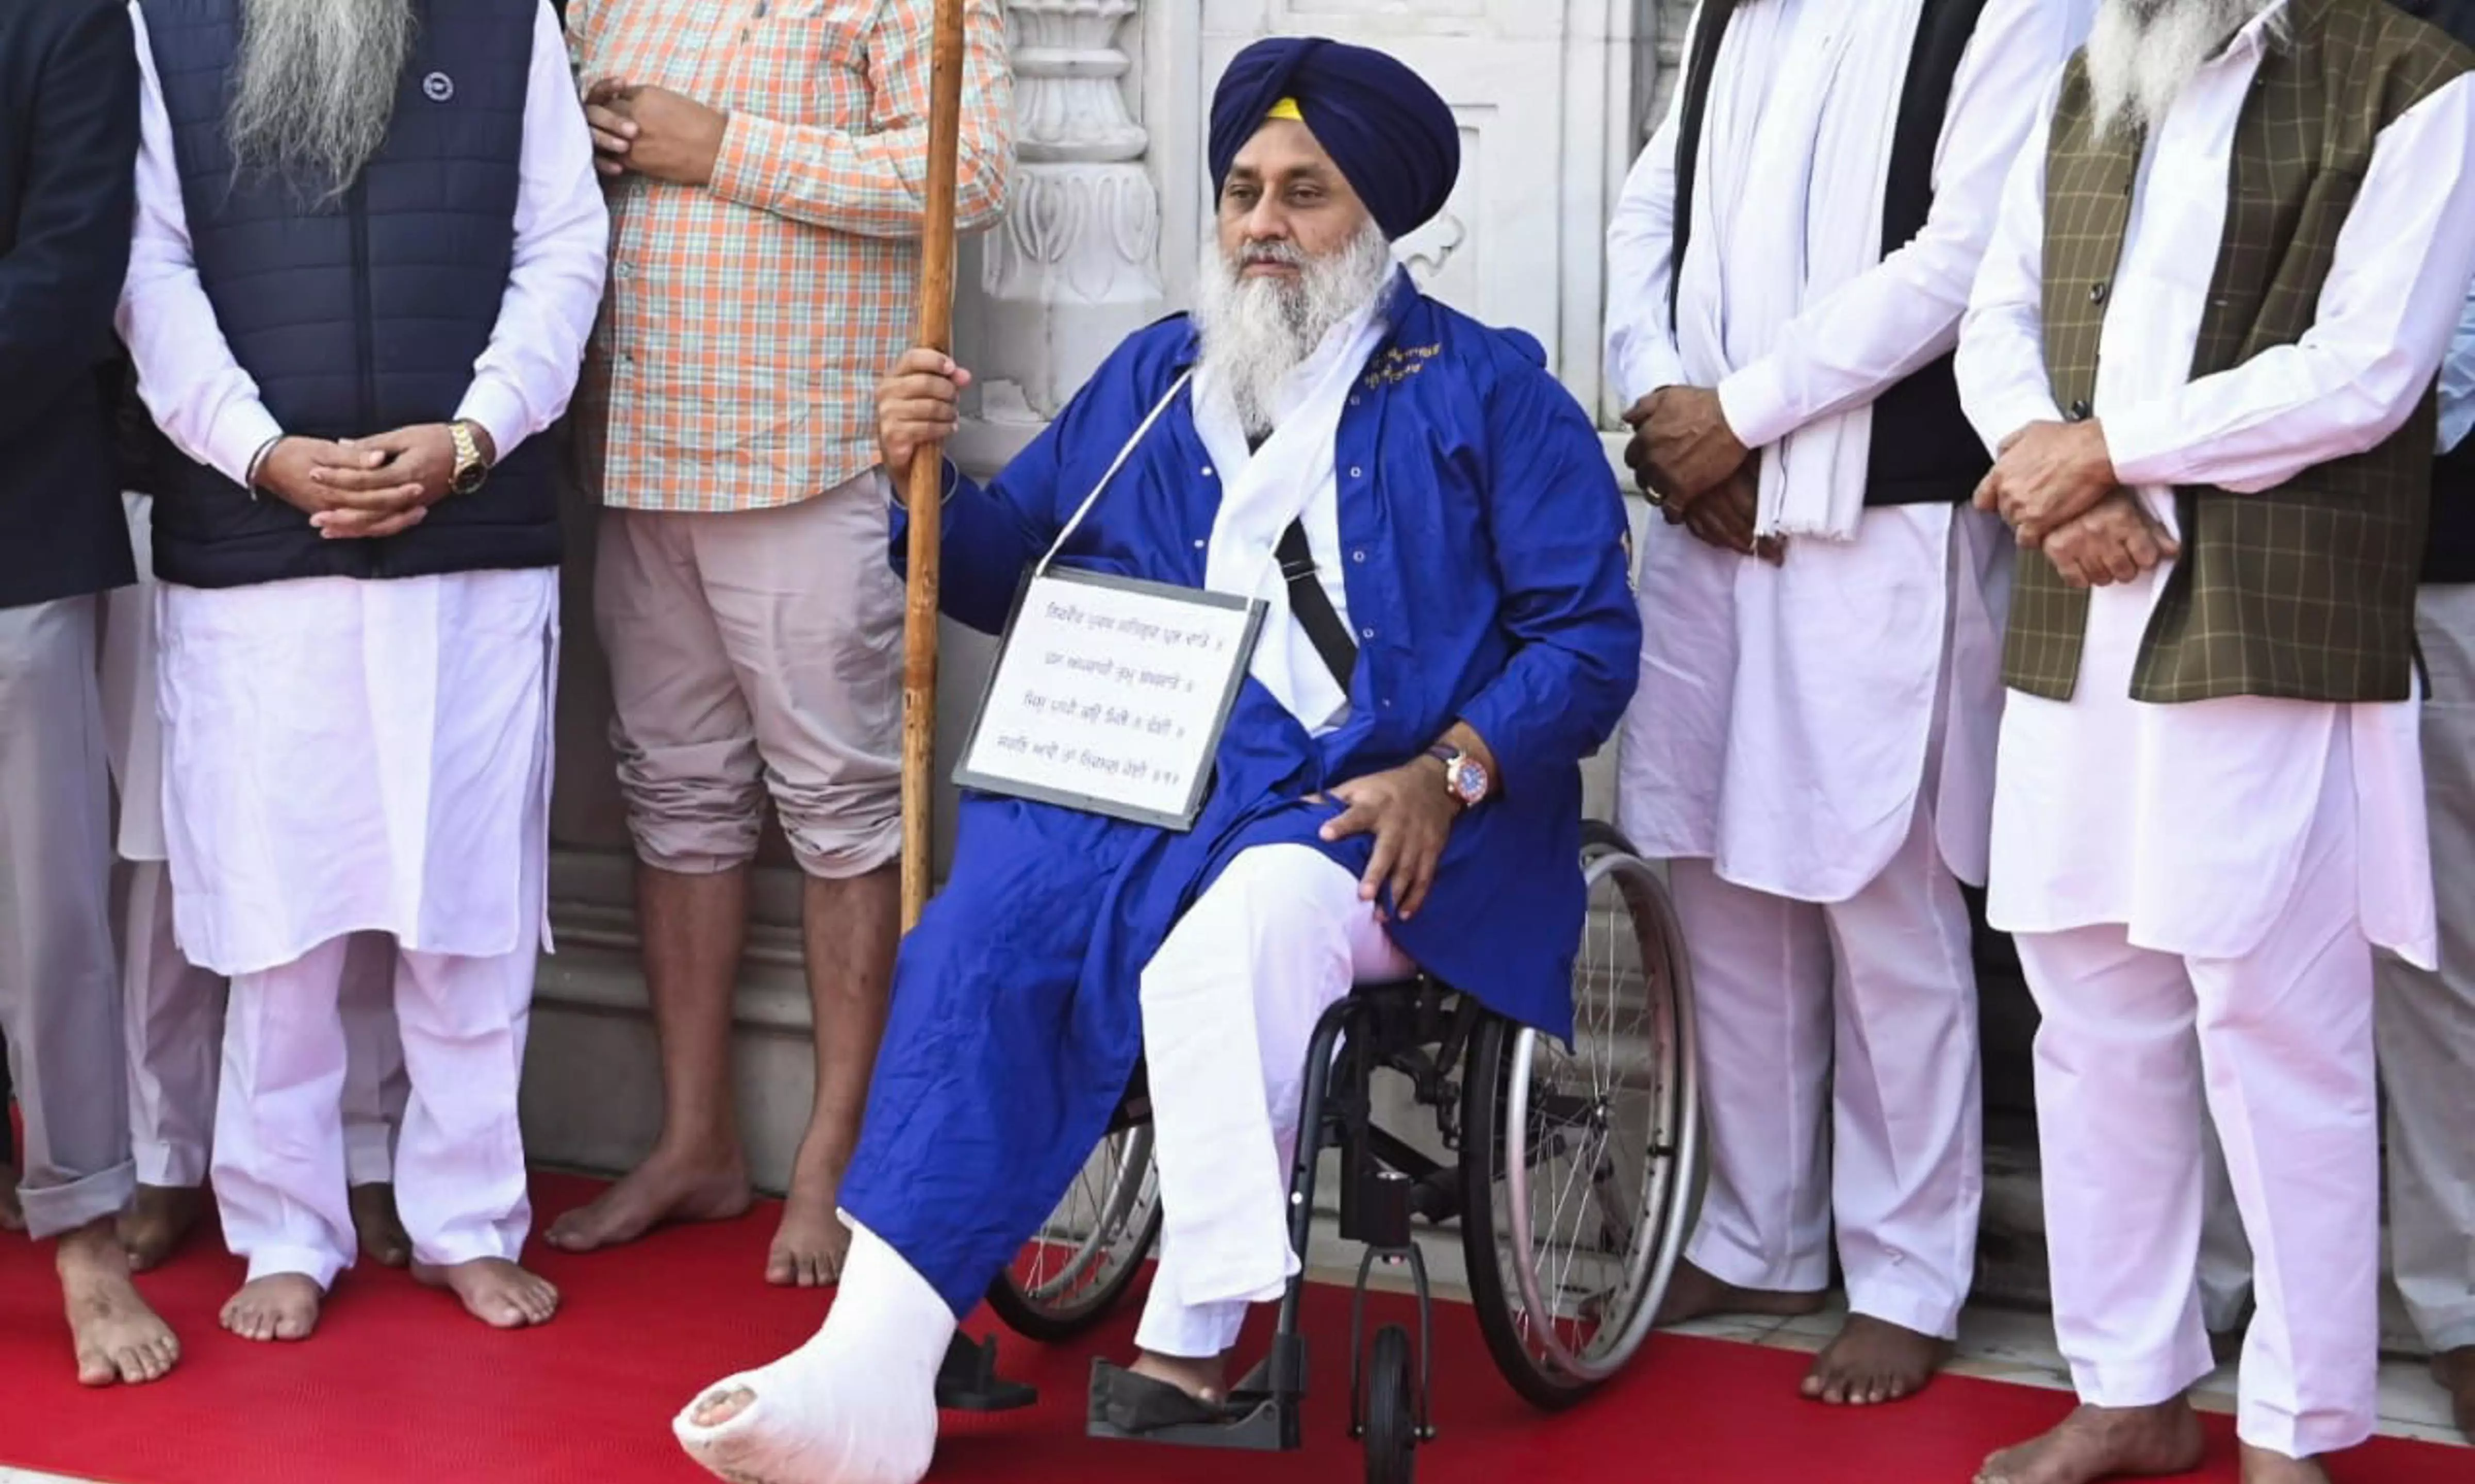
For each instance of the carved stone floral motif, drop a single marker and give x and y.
(1075, 265)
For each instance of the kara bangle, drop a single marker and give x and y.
(257, 463)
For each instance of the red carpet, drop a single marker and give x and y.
(400, 1388)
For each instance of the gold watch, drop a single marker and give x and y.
(471, 467)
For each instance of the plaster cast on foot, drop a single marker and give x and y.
(857, 1405)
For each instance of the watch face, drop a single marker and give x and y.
(1469, 780)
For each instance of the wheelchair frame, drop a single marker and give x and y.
(1426, 1031)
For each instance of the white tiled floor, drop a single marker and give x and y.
(2007, 1344)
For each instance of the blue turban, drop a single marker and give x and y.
(1392, 137)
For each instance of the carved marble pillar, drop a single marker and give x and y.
(1075, 265)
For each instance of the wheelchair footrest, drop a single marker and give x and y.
(968, 1379)
(1256, 1422)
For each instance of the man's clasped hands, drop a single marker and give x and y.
(366, 488)
(2053, 483)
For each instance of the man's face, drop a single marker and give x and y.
(1285, 201)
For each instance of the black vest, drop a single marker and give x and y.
(1924, 451)
(2449, 552)
(361, 315)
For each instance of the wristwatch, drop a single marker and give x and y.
(1464, 776)
(471, 467)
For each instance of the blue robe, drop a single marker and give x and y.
(1487, 577)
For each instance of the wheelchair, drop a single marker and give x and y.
(1571, 1177)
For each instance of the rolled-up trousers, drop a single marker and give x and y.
(60, 1000)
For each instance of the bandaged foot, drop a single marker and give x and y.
(857, 1405)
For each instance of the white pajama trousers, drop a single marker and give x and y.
(2279, 1044)
(2424, 1025)
(281, 1169)
(175, 1025)
(1839, 1078)
(1275, 941)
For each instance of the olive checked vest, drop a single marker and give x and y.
(2305, 591)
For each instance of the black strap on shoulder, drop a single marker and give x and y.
(1710, 29)
(1315, 611)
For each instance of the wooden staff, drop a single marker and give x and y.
(927, 468)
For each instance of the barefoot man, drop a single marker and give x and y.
(2425, 1020)
(1399, 783)
(765, 199)
(175, 1010)
(1812, 743)
(368, 248)
(2226, 268)
(68, 120)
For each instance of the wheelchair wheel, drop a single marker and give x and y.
(1392, 1422)
(1578, 1167)
(1072, 1273)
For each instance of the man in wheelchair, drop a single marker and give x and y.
(1436, 530)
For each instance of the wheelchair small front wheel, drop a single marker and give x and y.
(1391, 1425)
(1073, 1272)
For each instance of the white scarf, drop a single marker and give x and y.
(1263, 489)
(1796, 157)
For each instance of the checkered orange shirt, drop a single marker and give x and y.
(749, 321)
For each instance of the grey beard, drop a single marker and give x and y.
(2142, 53)
(1258, 330)
(314, 92)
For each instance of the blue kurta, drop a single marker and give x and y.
(1486, 575)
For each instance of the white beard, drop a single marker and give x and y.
(2143, 53)
(314, 90)
(1258, 330)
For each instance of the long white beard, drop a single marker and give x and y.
(2143, 53)
(316, 87)
(1258, 330)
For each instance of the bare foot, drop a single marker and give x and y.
(1871, 1361)
(2455, 1371)
(119, 1338)
(665, 1188)
(13, 1216)
(1205, 1381)
(158, 1222)
(1693, 1294)
(377, 1226)
(2259, 1466)
(279, 1306)
(494, 1291)
(811, 1242)
(2104, 1443)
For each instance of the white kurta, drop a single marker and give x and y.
(2191, 832)
(1785, 715)
(344, 756)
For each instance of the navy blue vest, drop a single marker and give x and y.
(364, 314)
(1925, 451)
